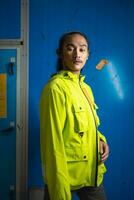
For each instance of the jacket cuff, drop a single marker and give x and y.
(102, 137)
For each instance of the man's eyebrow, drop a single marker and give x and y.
(83, 45)
(70, 44)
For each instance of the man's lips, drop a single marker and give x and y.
(77, 61)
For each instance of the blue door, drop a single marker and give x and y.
(8, 60)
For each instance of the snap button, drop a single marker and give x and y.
(65, 74)
(84, 156)
(81, 134)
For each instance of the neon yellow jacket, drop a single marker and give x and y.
(68, 136)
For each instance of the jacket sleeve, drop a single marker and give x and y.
(54, 164)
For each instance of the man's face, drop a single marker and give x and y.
(74, 53)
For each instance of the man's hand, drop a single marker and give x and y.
(104, 151)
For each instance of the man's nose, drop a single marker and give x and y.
(76, 53)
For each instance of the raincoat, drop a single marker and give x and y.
(69, 136)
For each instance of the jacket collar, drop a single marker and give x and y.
(69, 75)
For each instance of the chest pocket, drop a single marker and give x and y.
(80, 119)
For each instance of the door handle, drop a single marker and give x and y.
(10, 128)
(11, 66)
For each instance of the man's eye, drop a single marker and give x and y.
(82, 50)
(70, 48)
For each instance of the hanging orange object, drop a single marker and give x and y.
(101, 64)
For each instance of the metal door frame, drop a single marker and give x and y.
(22, 47)
(18, 127)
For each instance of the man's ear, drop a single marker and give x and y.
(88, 55)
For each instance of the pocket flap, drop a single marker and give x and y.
(76, 154)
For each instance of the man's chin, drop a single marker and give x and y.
(77, 68)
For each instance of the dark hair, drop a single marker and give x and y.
(59, 65)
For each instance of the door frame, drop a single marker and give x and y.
(22, 46)
(21, 127)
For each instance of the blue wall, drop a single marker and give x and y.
(10, 19)
(109, 25)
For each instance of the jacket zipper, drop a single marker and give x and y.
(96, 171)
